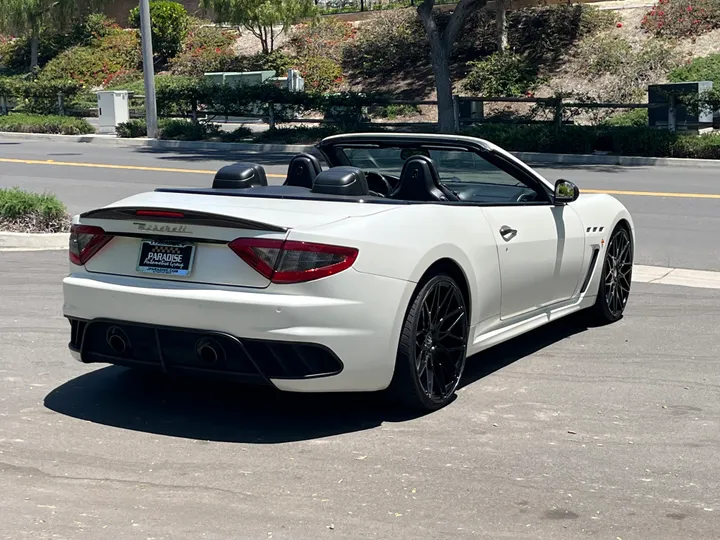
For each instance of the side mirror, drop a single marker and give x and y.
(565, 192)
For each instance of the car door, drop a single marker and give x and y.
(540, 245)
(540, 251)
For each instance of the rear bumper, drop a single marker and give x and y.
(333, 335)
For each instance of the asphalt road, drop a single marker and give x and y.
(567, 433)
(672, 231)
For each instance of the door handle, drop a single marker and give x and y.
(507, 233)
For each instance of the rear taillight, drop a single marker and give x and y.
(286, 261)
(85, 242)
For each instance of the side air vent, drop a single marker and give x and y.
(595, 254)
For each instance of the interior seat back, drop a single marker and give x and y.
(302, 171)
(420, 181)
(240, 176)
(348, 181)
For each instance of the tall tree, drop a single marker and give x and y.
(28, 18)
(262, 17)
(441, 47)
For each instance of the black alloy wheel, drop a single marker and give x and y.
(433, 346)
(616, 278)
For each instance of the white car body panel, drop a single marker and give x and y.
(514, 285)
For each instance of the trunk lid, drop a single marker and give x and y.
(184, 237)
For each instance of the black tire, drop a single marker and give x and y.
(432, 349)
(615, 279)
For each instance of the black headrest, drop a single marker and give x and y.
(302, 170)
(341, 181)
(420, 181)
(240, 175)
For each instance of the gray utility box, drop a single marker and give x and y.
(684, 119)
(113, 109)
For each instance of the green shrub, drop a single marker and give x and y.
(184, 130)
(620, 140)
(240, 134)
(60, 125)
(169, 26)
(682, 18)
(706, 68)
(40, 97)
(115, 54)
(391, 112)
(15, 55)
(94, 27)
(633, 117)
(278, 61)
(22, 211)
(501, 75)
(131, 129)
(321, 74)
(298, 135)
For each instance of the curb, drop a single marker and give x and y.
(618, 161)
(112, 140)
(528, 157)
(33, 242)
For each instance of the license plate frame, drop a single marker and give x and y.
(172, 267)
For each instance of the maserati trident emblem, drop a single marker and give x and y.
(148, 227)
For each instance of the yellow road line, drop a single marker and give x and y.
(653, 194)
(108, 166)
(273, 175)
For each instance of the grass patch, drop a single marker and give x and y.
(626, 140)
(59, 125)
(22, 211)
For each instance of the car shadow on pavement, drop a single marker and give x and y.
(211, 411)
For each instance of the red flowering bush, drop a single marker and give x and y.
(682, 18)
(321, 74)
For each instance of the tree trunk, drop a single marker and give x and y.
(34, 46)
(441, 46)
(501, 38)
(440, 60)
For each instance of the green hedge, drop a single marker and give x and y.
(620, 140)
(59, 125)
(40, 97)
(184, 130)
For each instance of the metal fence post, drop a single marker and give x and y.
(61, 104)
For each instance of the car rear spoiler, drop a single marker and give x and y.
(179, 216)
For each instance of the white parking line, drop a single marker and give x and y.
(703, 279)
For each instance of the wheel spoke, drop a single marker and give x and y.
(441, 340)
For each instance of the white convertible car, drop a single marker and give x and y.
(381, 272)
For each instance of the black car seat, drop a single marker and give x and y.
(347, 181)
(302, 171)
(420, 181)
